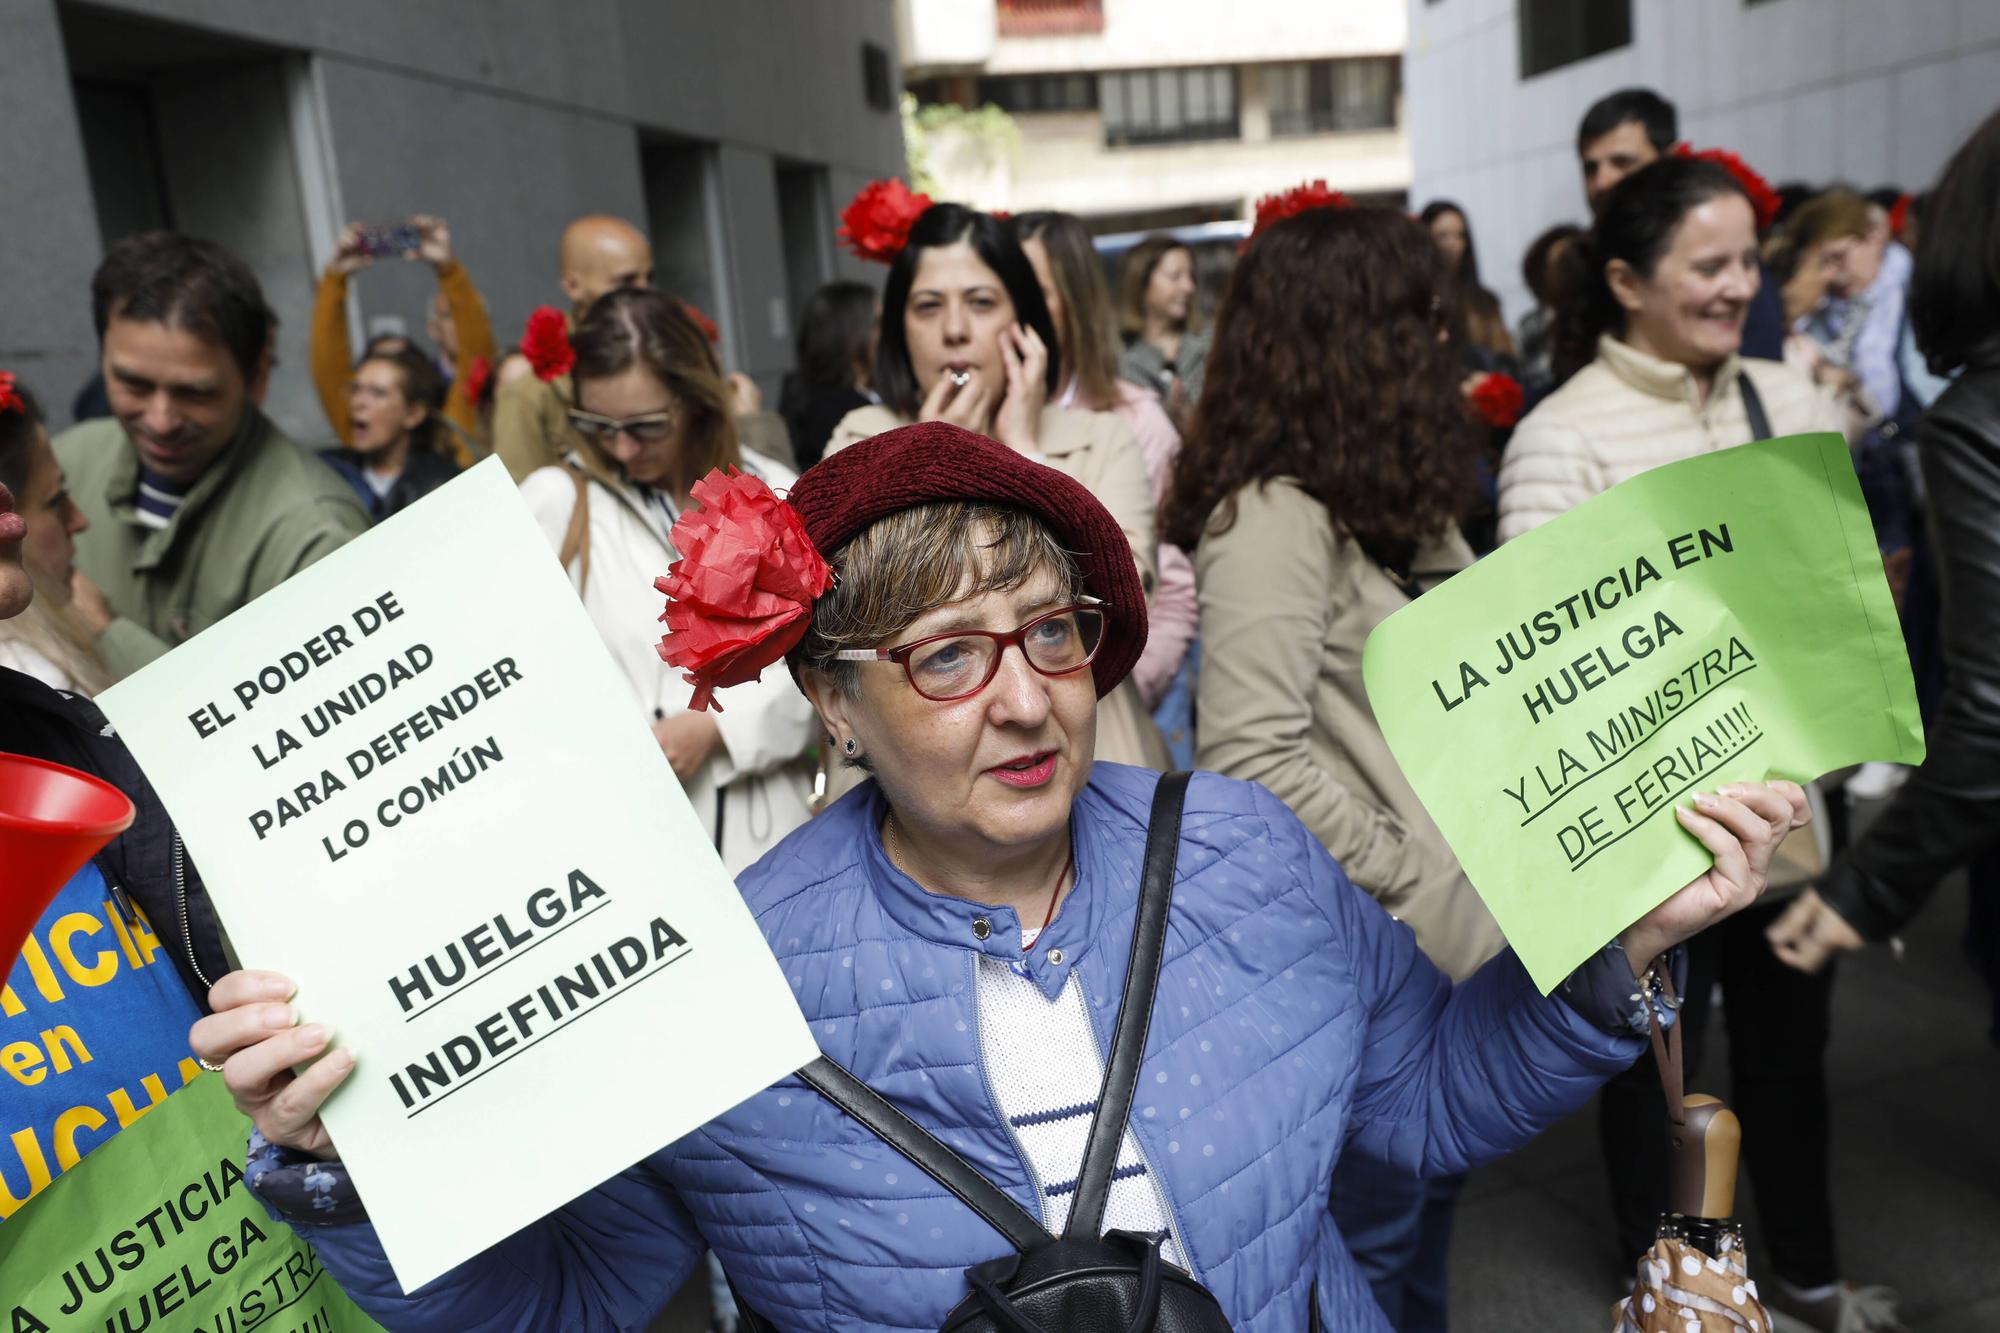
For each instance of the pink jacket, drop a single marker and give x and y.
(1172, 615)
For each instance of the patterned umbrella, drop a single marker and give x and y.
(1682, 1289)
(1696, 1277)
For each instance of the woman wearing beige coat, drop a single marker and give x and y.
(1667, 274)
(966, 338)
(1320, 491)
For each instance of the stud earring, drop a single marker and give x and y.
(850, 747)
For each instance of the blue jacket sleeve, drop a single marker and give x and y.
(608, 1261)
(1453, 1077)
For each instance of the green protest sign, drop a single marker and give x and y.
(1720, 619)
(156, 1230)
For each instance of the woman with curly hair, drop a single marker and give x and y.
(1320, 490)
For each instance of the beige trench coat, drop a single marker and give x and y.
(1286, 605)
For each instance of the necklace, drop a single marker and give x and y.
(893, 844)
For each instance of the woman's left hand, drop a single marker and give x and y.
(1741, 825)
(688, 740)
(1018, 423)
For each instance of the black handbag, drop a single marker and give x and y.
(1079, 1282)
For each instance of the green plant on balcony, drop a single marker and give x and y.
(986, 135)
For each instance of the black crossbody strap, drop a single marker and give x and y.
(1753, 407)
(1135, 1010)
(1121, 1075)
(940, 1163)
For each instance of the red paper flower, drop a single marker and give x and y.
(1275, 208)
(702, 321)
(740, 597)
(1497, 400)
(1899, 215)
(545, 342)
(10, 397)
(876, 225)
(1764, 200)
(478, 376)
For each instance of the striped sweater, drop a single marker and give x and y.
(1047, 1071)
(1626, 413)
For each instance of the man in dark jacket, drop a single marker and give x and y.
(1948, 814)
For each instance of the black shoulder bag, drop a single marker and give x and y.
(1753, 407)
(1079, 1282)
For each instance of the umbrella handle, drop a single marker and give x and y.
(1702, 1153)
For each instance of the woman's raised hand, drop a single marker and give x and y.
(254, 1034)
(1741, 825)
(1018, 424)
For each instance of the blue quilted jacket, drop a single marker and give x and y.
(1293, 1017)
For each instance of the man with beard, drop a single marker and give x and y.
(197, 502)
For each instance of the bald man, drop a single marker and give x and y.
(530, 417)
(601, 254)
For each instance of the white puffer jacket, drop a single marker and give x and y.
(1627, 413)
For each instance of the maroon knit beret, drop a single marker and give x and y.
(933, 460)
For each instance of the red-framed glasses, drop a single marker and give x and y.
(945, 667)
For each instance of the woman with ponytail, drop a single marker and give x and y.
(1650, 347)
(1665, 279)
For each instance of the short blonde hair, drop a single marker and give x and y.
(916, 560)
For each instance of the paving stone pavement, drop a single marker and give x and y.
(1916, 1163)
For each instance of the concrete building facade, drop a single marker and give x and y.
(1140, 113)
(731, 133)
(1869, 92)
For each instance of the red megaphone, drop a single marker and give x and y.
(52, 820)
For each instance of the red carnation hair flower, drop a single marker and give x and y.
(545, 342)
(740, 597)
(876, 225)
(1764, 200)
(1899, 215)
(1497, 400)
(1275, 208)
(10, 397)
(478, 377)
(702, 321)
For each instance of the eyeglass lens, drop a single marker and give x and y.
(645, 430)
(955, 667)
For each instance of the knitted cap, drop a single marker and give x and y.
(932, 460)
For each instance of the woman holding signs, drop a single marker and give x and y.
(1667, 275)
(968, 934)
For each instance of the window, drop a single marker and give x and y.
(1144, 106)
(1040, 92)
(1328, 95)
(1555, 33)
(876, 85)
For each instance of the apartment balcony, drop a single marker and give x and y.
(945, 36)
(1050, 18)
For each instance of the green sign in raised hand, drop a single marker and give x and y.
(156, 1230)
(1720, 619)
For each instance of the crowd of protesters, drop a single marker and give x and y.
(1352, 423)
